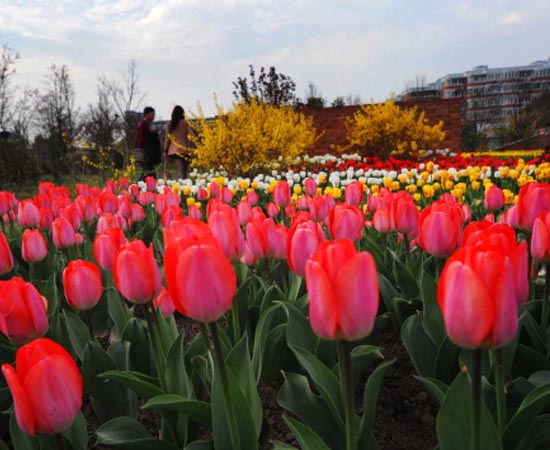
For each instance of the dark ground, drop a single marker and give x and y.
(405, 414)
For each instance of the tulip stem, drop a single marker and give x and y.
(476, 401)
(500, 391)
(344, 357)
(60, 441)
(229, 411)
(545, 300)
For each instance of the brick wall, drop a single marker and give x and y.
(332, 122)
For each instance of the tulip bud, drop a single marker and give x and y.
(82, 284)
(33, 246)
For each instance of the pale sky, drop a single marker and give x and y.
(189, 50)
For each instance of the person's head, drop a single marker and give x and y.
(149, 113)
(177, 114)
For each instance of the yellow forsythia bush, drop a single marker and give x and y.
(386, 129)
(243, 141)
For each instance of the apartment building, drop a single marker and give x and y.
(491, 95)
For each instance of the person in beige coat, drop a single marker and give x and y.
(177, 145)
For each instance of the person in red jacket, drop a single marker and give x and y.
(147, 144)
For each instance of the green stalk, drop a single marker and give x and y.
(220, 362)
(545, 300)
(476, 402)
(60, 441)
(499, 386)
(344, 358)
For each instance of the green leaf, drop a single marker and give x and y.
(370, 398)
(296, 397)
(141, 384)
(537, 436)
(260, 338)
(118, 311)
(77, 434)
(362, 356)
(325, 380)
(277, 445)
(108, 399)
(176, 376)
(238, 362)
(432, 319)
(404, 278)
(19, 439)
(198, 410)
(127, 433)
(437, 388)
(295, 285)
(51, 292)
(534, 403)
(453, 421)
(136, 333)
(528, 361)
(540, 378)
(446, 364)
(200, 445)
(3, 446)
(420, 347)
(78, 333)
(298, 329)
(530, 325)
(305, 436)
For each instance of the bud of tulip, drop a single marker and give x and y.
(165, 303)
(346, 221)
(354, 193)
(281, 193)
(533, 200)
(82, 284)
(46, 388)
(303, 240)
(63, 234)
(494, 198)
(105, 246)
(28, 214)
(6, 256)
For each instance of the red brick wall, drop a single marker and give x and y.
(332, 120)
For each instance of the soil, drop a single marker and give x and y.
(405, 414)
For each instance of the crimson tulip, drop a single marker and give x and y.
(477, 298)
(200, 278)
(6, 256)
(46, 387)
(82, 284)
(22, 311)
(135, 272)
(33, 246)
(343, 291)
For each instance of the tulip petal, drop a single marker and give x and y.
(466, 305)
(357, 296)
(322, 311)
(23, 408)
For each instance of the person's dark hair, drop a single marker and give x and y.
(147, 110)
(177, 114)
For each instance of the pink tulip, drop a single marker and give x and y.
(33, 246)
(343, 291)
(63, 234)
(28, 214)
(494, 198)
(281, 193)
(105, 246)
(108, 202)
(405, 215)
(200, 279)
(272, 210)
(135, 272)
(440, 228)
(310, 186)
(346, 221)
(477, 297)
(533, 200)
(6, 256)
(164, 302)
(540, 239)
(354, 193)
(224, 224)
(303, 240)
(151, 184)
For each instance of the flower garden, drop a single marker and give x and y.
(176, 301)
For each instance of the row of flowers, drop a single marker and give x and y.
(101, 275)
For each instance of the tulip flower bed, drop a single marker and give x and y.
(305, 308)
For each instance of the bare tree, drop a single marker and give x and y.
(314, 98)
(418, 83)
(57, 116)
(354, 99)
(126, 96)
(8, 59)
(269, 87)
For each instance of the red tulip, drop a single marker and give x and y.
(540, 239)
(381, 220)
(310, 186)
(477, 297)
(169, 214)
(82, 284)
(320, 205)
(405, 214)
(6, 256)
(343, 291)
(440, 227)
(33, 246)
(125, 206)
(105, 246)
(108, 202)
(185, 227)
(136, 273)
(244, 211)
(85, 206)
(346, 221)
(150, 183)
(533, 200)
(46, 387)
(303, 240)
(272, 209)
(224, 224)
(200, 278)
(494, 198)
(165, 303)
(46, 219)
(22, 311)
